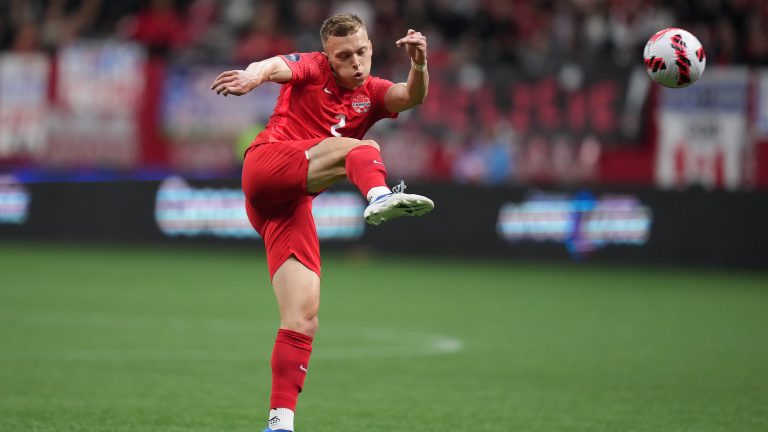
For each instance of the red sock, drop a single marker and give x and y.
(365, 169)
(290, 359)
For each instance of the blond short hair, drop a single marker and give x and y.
(343, 24)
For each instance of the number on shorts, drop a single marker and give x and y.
(342, 122)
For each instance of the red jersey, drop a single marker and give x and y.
(312, 105)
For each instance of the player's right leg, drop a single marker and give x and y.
(360, 161)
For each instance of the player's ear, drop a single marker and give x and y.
(329, 60)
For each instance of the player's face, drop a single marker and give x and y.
(350, 58)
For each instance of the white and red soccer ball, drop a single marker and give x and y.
(674, 58)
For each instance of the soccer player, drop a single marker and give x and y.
(313, 139)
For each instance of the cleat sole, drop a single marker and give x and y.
(398, 208)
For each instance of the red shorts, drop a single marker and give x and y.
(278, 204)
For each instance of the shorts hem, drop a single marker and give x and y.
(274, 266)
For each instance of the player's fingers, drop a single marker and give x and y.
(409, 37)
(412, 41)
(224, 75)
(235, 90)
(416, 42)
(405, 41)
(224, 87)
(223, 81)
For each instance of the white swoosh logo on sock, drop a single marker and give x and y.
(377, 162)
(303, 368)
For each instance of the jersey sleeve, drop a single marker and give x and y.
(378, 90)
(304, 66)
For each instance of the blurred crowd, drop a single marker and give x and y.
(466, 37)
(519, 32)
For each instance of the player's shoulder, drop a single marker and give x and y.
(375, 79)
(313, 56)
(307, 65)
(377, 84)
(315, 60)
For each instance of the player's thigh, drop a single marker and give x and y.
(288, 230)
(327, 161)
(274, 173)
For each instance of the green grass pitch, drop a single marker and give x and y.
(141, 338)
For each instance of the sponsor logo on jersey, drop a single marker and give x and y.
(293, 57)
(361, 103)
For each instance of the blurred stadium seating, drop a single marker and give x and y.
(523, 93)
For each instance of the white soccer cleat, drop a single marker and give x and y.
(396, 204)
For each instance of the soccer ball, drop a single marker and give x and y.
(674, 58)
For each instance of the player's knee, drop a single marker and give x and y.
(304, 325)
(371, 143)
(311, 326)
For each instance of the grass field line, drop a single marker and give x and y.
(334, 342)
(392, 343)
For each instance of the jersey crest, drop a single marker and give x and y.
(361, 103)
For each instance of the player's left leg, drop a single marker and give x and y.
(297, 289)
(279, 208)
(360, 161)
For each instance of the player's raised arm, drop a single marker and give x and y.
(240, 82)
(403, 96)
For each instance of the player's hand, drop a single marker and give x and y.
(415, 45)
(235, 82)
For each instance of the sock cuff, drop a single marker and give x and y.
(364, 148)
(295, 339)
